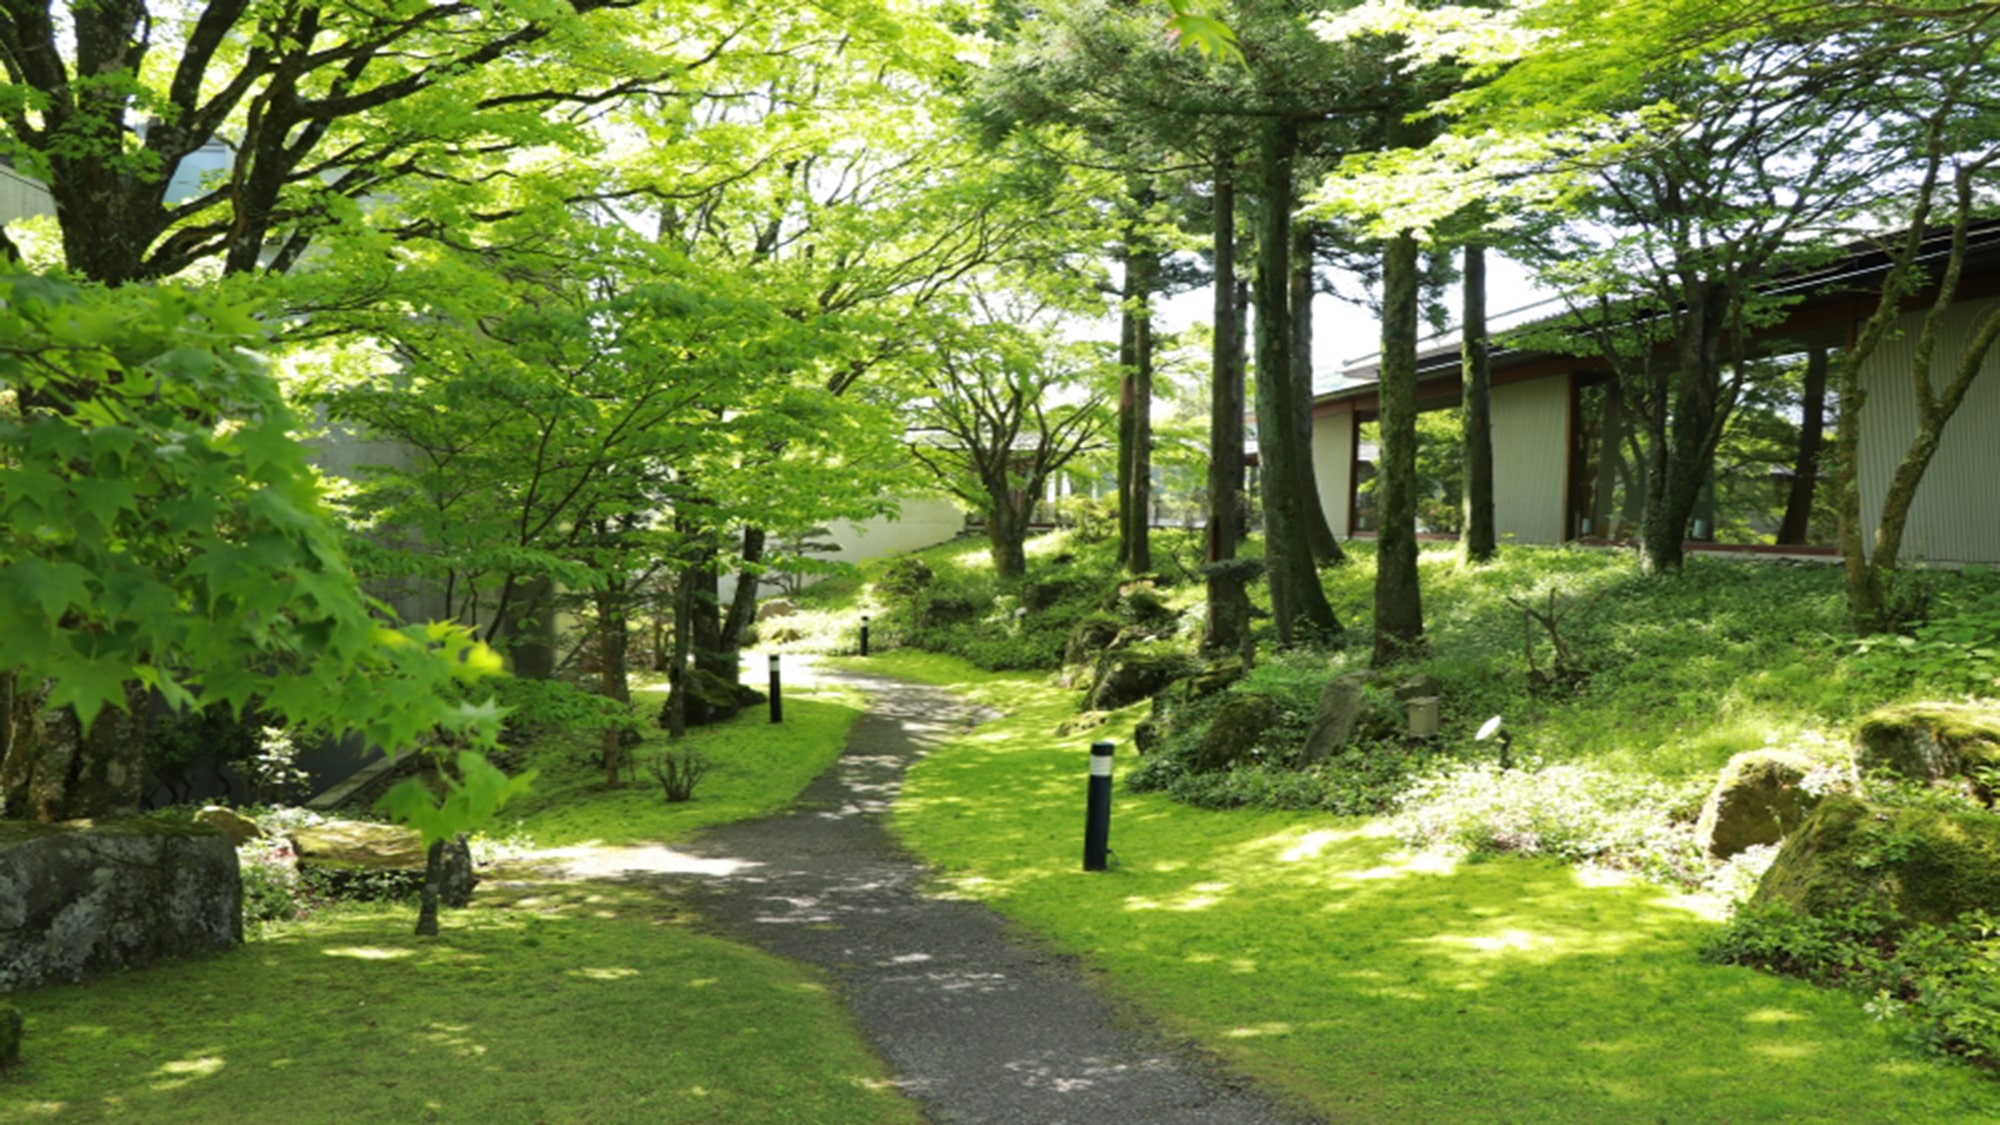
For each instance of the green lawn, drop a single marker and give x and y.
(1380, 987)
(542, 1002)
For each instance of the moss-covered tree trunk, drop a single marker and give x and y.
(1319, 534)
(743, 601)
(614, 683)
(1298, 604)
(1699, 411)
(1399, 610)
(1227, 627)
(1007, 532)
(1479, 541)
(427, 900)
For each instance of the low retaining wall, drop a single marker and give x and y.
(86, 897)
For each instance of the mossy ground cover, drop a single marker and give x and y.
(544, 1001)
(1382, 987)
(755, 768)
(550, 1003)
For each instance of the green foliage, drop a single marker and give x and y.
(1940, 982)
(474, 791)
(212, 737)
(159, 523)
(1572, 812)
(1954, 649)
(678, 772)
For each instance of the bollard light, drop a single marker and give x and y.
(864, 634)
(1491, 728)
(1097, 813)
(777, 693)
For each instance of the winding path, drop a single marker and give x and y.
(977, 1025)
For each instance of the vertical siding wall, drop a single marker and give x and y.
(21, 197)
(1956, 515)
(1530, 459)
(1333, 467)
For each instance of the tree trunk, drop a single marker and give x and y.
(427, 902)
(677, 667)
(1007, 533)
(1324, 544)
(1399, 611)
(1479, 540)
(1298, 604)
(1697, 416)
(705, 620)
(1139, 472)
(1797, 524)
(743, 601)
(1128, 377)
(613, 643)
(1228, 624)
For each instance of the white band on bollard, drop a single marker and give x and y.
(1100, 765)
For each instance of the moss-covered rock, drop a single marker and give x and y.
(83, 897)
(1091, 636)
(1126, 677)
(1928, 864)
(1757, 799)
(1240, 726)
(362, 859)
(1932, 742)
(710, 699)
(939, 612)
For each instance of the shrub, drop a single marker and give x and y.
(1572, 812)
(678, 773)
(271, 891)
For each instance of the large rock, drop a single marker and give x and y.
(86, 897)
(1340, 705)
(362, 859)
(772, 608)
(1929, 864)
(1931, 742)
(1756, 800)
(1126, 677)
(240, 829)
(1089, 639)
(1239, 727)
(711, 699)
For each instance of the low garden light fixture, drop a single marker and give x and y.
(1491, 728)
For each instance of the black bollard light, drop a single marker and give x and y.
(864, 634)
(1097, 821)
(777, 693)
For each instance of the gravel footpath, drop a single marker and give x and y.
(977, 1025)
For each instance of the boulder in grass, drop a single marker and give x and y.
(1126, 677)
(239, 828)
(1933, 742)
(1239, 727)
(1926, 864)
(1089, 639)
(1756, 800)
(362, 859)
(1339, 709)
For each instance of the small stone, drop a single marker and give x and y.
(1417, 687)
(239, 828)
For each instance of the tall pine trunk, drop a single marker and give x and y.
(1399, 610)
(1319, 534)
(1298, 604)
(1228, 624)
(1478, 538)
(1144, 272)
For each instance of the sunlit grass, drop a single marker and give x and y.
(1384, 987)
(756, 768)
(541, 1003)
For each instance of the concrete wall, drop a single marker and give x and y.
(1333, 467)
(1530, 459)
(1956, 515)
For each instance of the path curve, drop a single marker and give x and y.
(977, 1025)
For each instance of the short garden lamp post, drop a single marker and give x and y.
(777, 693)
(1491, 728)
(1097, 818)
(1424, 716)
(864, 634)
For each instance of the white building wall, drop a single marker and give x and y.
(1333, 467)
(1530, 459)
(21, 197)
(1956, 515)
